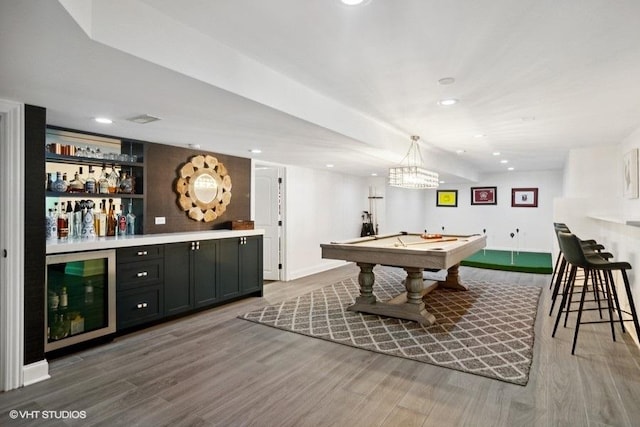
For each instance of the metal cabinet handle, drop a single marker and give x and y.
(142, 253)
(143, 274)
(197, 246)
(141, 305)
(193, 246)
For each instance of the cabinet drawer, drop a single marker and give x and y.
(138, 306)
(139, 253)
(136, 274)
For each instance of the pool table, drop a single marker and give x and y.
(412, 252)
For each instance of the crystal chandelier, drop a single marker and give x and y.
(410, 173)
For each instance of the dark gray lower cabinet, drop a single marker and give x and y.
(165, 280)
(240, 265)
(190, 276)
(139, 285)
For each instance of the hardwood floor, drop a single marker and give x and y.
(212, 369)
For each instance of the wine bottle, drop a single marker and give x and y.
(103, 182)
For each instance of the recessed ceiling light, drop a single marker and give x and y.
(446, 81)
(354, 2)
(374, 174)
(496, 153)
(256, 151)
(447, 102)
(329, 165)
(479, 135)
(528, 119)
(442, 182)
(504, 161)
(196, 146)
(459, 151)
(103, 120)
(510, 168)
(143, 119)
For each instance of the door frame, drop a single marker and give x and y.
(282, 170)
(12, 156)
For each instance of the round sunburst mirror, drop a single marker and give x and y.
(204, 188)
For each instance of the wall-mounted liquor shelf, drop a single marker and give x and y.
(80, 195)
(90, 161)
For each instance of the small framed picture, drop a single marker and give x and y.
(484, 195)
(630, 170)
(447, 198)
(524, 197)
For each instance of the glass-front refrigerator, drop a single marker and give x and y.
(81, 297)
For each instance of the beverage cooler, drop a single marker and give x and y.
(81, 297)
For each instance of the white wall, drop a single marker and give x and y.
(320, 207)
(500, 220)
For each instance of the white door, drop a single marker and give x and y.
(268, 217)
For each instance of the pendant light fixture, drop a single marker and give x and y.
(410, 173)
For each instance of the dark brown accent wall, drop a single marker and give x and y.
(34, 234)
(162, 163)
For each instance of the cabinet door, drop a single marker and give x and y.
(178, 294)
(204, 273)
(229, 268)
(251, 265)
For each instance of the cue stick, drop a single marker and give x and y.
(401, 242)
(424, 243)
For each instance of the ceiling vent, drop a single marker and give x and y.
(143, 119)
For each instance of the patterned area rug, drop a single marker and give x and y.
(486, 331)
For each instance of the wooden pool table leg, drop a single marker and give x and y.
(409, 305)
(365, 280)
(453, 280)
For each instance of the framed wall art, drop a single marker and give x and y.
(524, 197)
(630, 170)
(484, 195)
(447, 198)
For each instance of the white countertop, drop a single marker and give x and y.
(99, 243)
(616, 220)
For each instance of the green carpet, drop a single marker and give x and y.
(524, 262)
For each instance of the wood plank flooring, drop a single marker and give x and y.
(212, 369)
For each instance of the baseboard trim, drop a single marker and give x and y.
(35, 372)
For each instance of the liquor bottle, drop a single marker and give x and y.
(101, 229)
(76, 185)
(122, 223)
(87, 220)
(70, 220)
(131, 222)
(59, 185)
(52, 225)
(77, 219)
(90, 185)
(63, 223)
(114, 180)
(126, 183)
(111, 220)
(103, 182)
(48, 182)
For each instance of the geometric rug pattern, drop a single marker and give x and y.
(488, 330)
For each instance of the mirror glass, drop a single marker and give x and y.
(205, 188)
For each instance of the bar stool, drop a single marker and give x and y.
(576, 257)
(561, 272)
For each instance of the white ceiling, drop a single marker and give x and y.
(314, 82)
